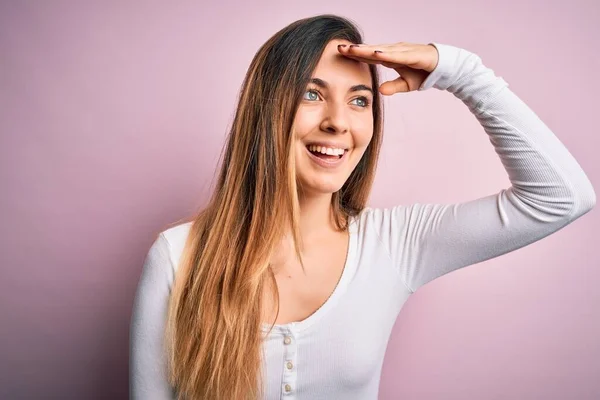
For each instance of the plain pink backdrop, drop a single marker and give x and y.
(112, 120)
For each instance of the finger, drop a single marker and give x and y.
(363, 59)
(370, 47)
(402, 57)
(403, 70)
(413, 77)
(389, 65)
(363, 51)
(368, 50)
(397, 85)
(405, 57)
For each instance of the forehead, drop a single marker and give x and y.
(341, 71)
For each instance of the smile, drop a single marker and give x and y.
(325, 160)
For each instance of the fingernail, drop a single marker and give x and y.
(341, 45)
(353, 45)
(378, 51)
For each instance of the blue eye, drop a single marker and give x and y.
(364, 99)
(312, 91)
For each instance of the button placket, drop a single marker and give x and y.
(288, 386)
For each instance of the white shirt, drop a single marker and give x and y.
(338, 352)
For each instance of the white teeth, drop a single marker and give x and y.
(327, 150)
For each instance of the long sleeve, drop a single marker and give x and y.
(548, 187)
(147, 361)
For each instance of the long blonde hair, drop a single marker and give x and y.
(213, 334)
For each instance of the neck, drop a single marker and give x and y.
(315, 220)
(315, 215)
(316, 224)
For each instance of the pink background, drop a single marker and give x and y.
(112, 119)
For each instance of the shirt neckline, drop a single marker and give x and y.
(298, 326)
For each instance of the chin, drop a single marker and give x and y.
(319, 188)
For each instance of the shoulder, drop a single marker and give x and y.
(374, 224)
(175, 239)
(398, 216)
(376, 218)
(402, 224)
(160, 264)
(388, 225)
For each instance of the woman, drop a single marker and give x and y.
(287, 238)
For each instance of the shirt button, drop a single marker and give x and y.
(289, 365)
(287, 340)
(288, 388)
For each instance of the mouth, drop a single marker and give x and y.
(326, 160)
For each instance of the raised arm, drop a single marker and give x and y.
(147, 361)
(548, 187)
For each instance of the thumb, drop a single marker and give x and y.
(397, 85)
(410, 79)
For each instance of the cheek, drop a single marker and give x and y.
(361, 142)
(305, 121)
(363, 137)
(362, 130)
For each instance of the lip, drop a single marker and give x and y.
(326, 163)
(327, 143)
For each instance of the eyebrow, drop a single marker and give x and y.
(355, 88)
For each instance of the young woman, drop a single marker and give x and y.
(286, 285)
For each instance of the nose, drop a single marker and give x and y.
(335, 119)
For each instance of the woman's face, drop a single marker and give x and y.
(335, 116)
